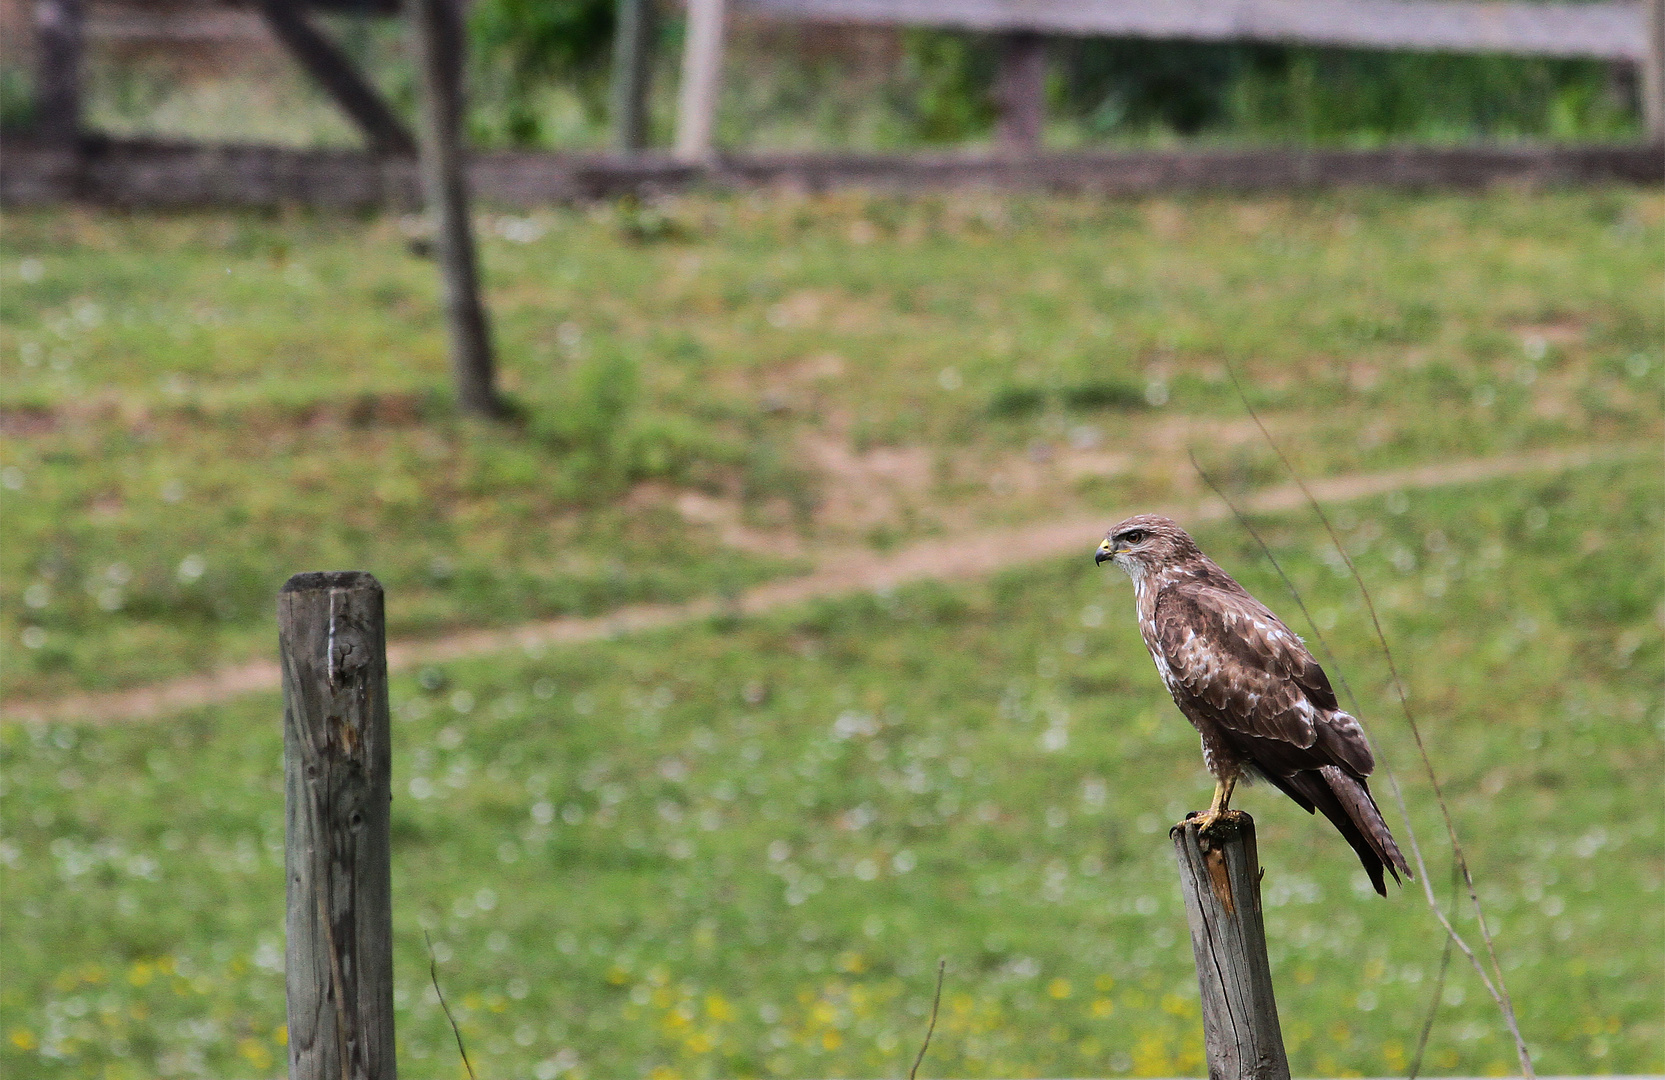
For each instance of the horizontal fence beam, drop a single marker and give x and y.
(1606, 30)
(153, 175)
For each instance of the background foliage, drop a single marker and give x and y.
(539, 71)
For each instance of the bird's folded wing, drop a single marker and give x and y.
(1245, 667)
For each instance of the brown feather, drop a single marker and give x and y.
(1249, 686)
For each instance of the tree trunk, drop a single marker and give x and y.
(437, 34)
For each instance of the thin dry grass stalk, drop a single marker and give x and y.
(935, 1003)
(1493, 981)
(433, 976)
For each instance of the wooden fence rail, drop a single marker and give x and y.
(1608, 30)
(1626, 31)
(181, 175)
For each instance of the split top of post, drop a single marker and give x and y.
(315, 580)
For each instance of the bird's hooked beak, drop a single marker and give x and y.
(1105, 552)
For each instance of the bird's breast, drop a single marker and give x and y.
(1147, 630)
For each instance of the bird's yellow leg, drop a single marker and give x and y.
(1221, 804)
(1222, 796)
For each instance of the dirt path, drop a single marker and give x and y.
(837, 571)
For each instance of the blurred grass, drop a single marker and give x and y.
(196, 406)
(738, 849)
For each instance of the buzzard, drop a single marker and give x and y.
(1260, 701)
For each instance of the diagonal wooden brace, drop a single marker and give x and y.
(326, 63)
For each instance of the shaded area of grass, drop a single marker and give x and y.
(197, 406)
(739, 848)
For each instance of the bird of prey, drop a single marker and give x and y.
(1248, 685)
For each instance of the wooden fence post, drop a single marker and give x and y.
(632, 73)
(59, 26)
(1652, 82)
(1020, 94)
(1219, 873)
(702, 69)
(332, 641)
(438, 37)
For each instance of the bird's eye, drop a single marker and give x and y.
(1137, 536)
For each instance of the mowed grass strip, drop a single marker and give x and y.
(739, 848)
(195, 406)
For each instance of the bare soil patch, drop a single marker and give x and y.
(837, 570)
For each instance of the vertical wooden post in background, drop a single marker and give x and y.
(1652, 82)
(1020, 94)
(336, 764)
(1219, 873)
(438, 39)
(632, 73)
(59, 33)
(702, 68)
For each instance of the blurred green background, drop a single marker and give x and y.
(737, 847)
(539, 75)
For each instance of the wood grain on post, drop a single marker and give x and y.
(438, 37)
(1219, 872)
(336, 763)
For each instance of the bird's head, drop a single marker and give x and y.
(1145, 542)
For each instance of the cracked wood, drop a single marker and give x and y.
(1219, 872)
(336, 765)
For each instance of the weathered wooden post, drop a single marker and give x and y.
(702, 70)
(1653, 71)
(1020, 94)
(633, 35)
(336, 763)
(1219, 872)
(59, 26)
(437, 34)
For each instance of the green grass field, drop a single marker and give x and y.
(196, 407)
(737, 848)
